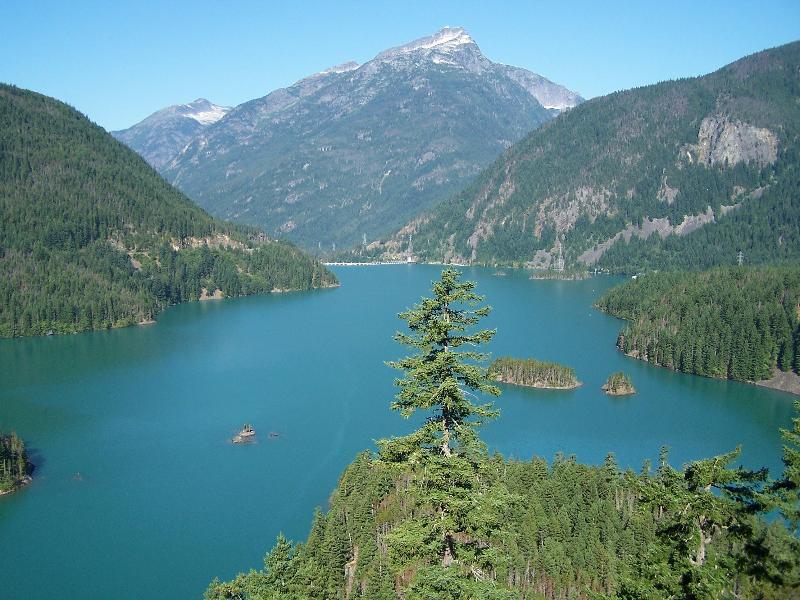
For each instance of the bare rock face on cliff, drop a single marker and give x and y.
(726, 142)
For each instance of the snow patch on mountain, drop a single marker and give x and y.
(204, 112)
(342, 68)
(449, 38)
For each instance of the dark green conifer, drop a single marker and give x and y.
(442, 377)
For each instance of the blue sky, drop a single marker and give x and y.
(119, 61)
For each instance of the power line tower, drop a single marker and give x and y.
(740, 258)
(559, 264)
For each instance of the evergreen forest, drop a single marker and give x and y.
(733, 323)
(766, 232)
(91, 237)
(532, 372)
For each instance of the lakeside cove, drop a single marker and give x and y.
(91, 402)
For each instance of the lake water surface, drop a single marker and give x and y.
(164, 502)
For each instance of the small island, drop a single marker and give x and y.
(15, 468)
(530, 372)
(619, 384)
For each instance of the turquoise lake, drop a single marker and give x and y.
(165, 502)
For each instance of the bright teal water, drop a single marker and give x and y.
(144, 414)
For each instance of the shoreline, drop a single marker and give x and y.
(536, 274)
(154, 320)
(784, 381)
(368, 264)
(25, 481)
(539, 386)
(609, 392)
(788, 382)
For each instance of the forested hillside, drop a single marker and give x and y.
(682, 173)
(433, 516)
(566, 529)
(91, 237)
(766, 232)
(735, 323)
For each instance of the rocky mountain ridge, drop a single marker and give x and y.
(356, 150)
(159, 137)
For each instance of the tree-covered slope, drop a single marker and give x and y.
(709, 164)
(570, 531)
(91, 237)
(735, 323)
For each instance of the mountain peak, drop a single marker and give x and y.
(446, 39)
(371, 134)
(203, 111)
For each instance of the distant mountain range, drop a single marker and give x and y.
(165, 133)
(355, 150)
(683, 174)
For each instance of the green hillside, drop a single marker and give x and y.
(91, 237)
(689, 171)
(732, 323)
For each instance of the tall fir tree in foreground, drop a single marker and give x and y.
(440, 376)
(445, 459)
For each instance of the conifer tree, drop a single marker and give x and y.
(693, 508)
(278, 565)
(440, 376)
(445, 454)
(787, 489)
